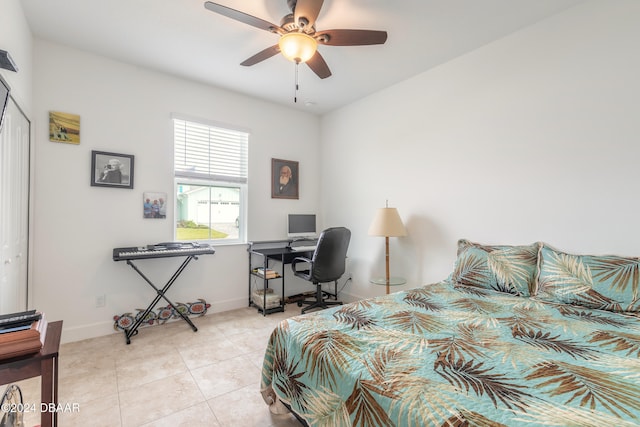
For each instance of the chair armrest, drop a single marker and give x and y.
(297, 260)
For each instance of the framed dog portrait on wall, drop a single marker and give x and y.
(285, 176)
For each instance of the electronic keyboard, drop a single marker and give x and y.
(162, 250)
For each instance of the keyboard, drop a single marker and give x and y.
(162, 250)
(303, 248)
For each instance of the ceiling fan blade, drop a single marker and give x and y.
(351, 37)
(319, 66)
(307, 9)
(261, 56)
(243, 17)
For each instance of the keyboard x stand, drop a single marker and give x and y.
(160, 295)
(129, 254)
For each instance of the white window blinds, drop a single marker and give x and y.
(208, 152)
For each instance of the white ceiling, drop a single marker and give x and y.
(182, 38)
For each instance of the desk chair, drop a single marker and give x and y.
(327, 265)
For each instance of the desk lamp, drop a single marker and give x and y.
(387, 223)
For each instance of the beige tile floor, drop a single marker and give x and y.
(168, 375)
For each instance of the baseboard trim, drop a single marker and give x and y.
(100, 329)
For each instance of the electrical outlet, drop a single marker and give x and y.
(101, 301)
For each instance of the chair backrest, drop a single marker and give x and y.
(329, 259)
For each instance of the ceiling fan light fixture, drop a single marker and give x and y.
(297, 47)
(298, 36)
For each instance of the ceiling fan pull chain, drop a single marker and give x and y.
(295, 94)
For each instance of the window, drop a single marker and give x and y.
(210, 166)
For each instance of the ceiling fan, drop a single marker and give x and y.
(298, 36)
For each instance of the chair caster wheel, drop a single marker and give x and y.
(299, 303)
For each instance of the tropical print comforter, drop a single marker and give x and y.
(451, 355)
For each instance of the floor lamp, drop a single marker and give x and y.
(387, 223)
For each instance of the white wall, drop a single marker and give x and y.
(534, 137)
(126, 109)
(15, 38)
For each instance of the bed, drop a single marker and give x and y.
(517, 335)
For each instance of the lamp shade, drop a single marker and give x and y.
(297, 47)
(387, 223)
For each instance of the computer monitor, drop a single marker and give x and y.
(301, 225)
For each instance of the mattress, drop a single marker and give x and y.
(447, 354)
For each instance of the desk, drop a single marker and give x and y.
(45, 364)
(275, 250)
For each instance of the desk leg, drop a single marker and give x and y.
(55, 388)
(49, 392)
(283, 266)
(265, 285)
(249, 305)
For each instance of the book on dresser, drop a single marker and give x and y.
(22, 339)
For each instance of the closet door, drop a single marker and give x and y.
(14, 209)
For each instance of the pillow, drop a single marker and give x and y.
(510, 269)
(600, 282)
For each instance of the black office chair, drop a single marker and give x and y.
(327, 265)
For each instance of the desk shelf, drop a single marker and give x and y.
(256, 273)
(279, 252)
(253, 272)
(264, 312)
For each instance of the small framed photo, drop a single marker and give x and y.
(285, 176)
(154, 204)
(64, 127)
(111, 170)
